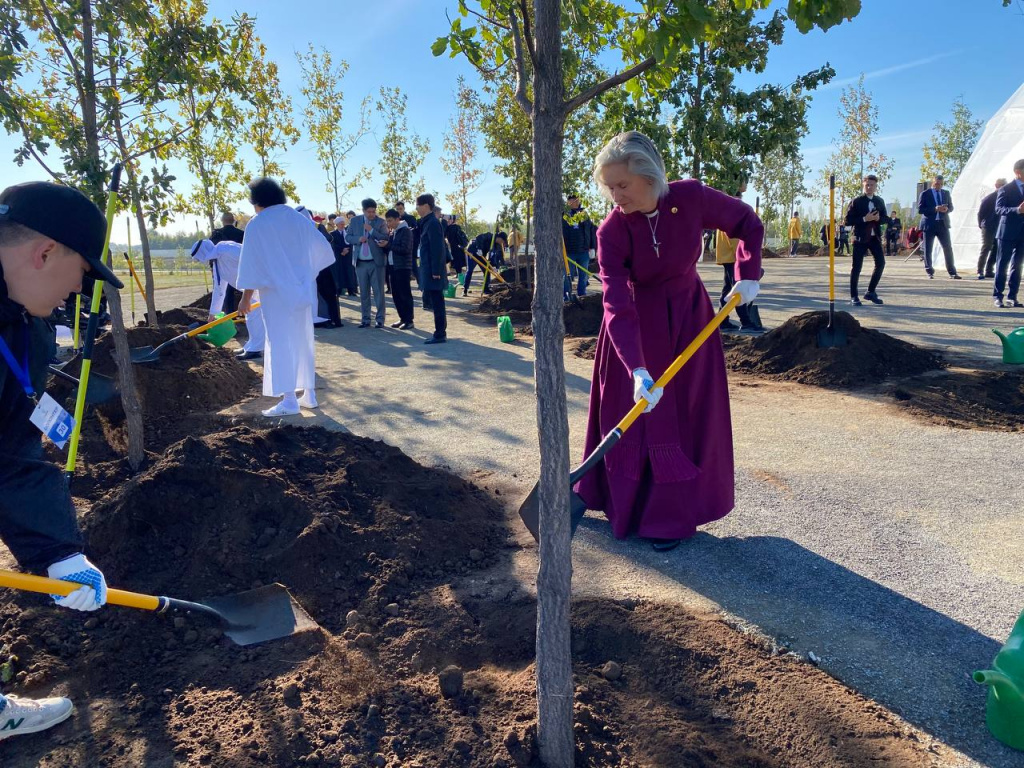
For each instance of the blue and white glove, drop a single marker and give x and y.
(747, 290)
(643, 389)
(77, 568)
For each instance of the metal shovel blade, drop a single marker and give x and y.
(830, 336)
(145, 354)
(530, 512)
(101, 389)
(259, 615)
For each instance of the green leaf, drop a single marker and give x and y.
(440, 46)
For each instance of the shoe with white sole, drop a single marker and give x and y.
(22, 716)
(287, 407)
(308, 399)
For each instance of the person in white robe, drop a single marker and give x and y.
(281, 257)
(225, 256)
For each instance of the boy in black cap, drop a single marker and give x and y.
(43, 258)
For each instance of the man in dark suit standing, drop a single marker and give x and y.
(228, 231)
(1010, 209)
(988, 223)
(934, 207)
(866, 215)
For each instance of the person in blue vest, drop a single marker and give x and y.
(43, 258)
(934, 206)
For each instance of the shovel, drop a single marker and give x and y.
(152, 354)
(830, 336)
(267, 613)
(101, 388)
(530, 510)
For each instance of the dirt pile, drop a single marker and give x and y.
(506, 298)
(991, 400)
(791, 353)
(768, 253)
(185, 316)
(203, 302)
(585, 348)
(806, 249)
(582, 316)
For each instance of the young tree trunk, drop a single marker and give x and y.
(554, 578)
(126, 380)
(147, 259)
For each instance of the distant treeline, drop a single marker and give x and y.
(169, 241)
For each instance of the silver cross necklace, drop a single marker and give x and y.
(654, 231)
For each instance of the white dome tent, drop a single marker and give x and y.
(1000, 146)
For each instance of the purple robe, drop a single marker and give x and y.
(673, 469)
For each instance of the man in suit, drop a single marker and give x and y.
(432, 266)
(368, 236)
(228, 231)
(892, 235)
(988, 223)
(934, 207)
(866, 215)
(1010, 209)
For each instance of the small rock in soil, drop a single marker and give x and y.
(92, 623)
(290, 692)
(372, 711)
(451, 679)
(352, 618)
(611, 670)
(391, 609)
(364, 640)
(476, 555)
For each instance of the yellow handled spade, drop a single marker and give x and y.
(530, 510)
(151, 354)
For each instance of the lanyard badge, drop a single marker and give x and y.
(48, 416)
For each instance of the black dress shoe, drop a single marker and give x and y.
(955, 276)
(989, 275)
(364, 325)
(873, 297)
(1016, 304)
(855, 302)
(398, 325)
(931, 274)
(981, 277)
(249, 355)
(406, 327)
(436, 340)
(664, 545)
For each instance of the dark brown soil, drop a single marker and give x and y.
(585, 348)
(351, 524)
(582, 318)
(991, 400)
(184, 316)
(203, 302)
(768, 253)
(791, 353)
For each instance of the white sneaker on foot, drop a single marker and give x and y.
(22, 716)
(308, 399)
(288, 406)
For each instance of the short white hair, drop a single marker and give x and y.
(641, 157)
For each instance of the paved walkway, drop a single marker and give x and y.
(888, 548)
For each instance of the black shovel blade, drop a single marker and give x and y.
(259, 615)
(144, 355)
(101, 389)
(831, 337)
(530, 512)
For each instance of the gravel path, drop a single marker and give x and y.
(888, 548)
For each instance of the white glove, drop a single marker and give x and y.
(643, 389)
(747, 290)
(77, 568)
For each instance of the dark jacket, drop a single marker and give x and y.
(37, 518)
(342, 250)
(432, 254)
(987, 216)
(894, 228)
(228, 233)
(866, 230)
(400, 248)
(413, 223)
(1011, 223)
(926, 207)
(457, 242)
(579, 234)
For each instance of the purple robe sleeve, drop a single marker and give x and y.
(736, 219)
(614, 250)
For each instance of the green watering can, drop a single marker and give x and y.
(1013, 345)
(449, 292)
(220, 334)
(462, 278)
(506, 332)
(1005, 681)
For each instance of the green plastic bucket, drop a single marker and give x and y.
(506, 333)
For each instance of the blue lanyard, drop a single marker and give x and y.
(20, 371)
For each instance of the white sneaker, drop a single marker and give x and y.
(308, 399)
(287, 407)
(22, 716)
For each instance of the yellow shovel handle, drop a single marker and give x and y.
(218, 321)
(29, 583)
(680, 361)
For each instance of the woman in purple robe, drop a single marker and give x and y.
(673, 469)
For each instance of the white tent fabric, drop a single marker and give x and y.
(1000, 146)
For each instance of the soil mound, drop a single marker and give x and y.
(806, 249)
(992, 400)
(768, 253)
(584, 318)
(184, 316)
(506, 298)
(791, 353)
(585, 348)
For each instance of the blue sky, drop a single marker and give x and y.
(917, 57)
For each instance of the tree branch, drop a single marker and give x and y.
(485, 18)
(605, 85)
(528, 32)
(72, 61)
(517, 41)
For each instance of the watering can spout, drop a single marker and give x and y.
(1003, 686)
(1001, 335)
(1013, 345)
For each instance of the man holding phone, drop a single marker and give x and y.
(934, 207)
(866, 215)
(368, 236)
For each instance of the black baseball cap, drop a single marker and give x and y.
(63, 214)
